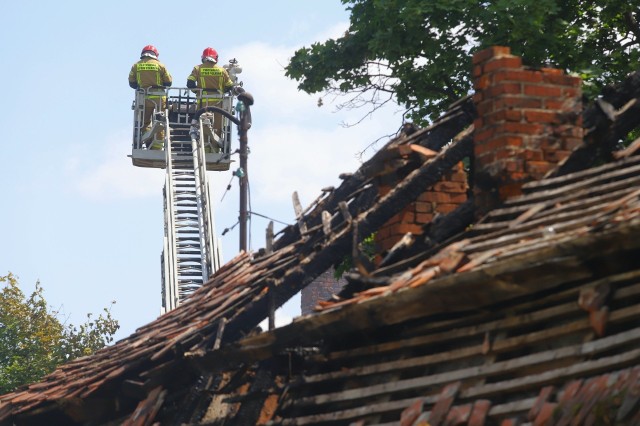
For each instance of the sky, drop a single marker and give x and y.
(76, 214)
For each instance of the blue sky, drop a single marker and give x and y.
(76, 214)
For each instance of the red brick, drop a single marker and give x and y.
(546, 414)
(485, 54)
(551, 71)
(532, 155)
(458, 415)
(479, 412)
(538, 167)
(541, 116)
(384, 189)
(572, 143)
(477, 70)
(571, 92)
(459, 198)
(543, 397)
(437, 197)
(477, 97)
(457, 176)
(542, 90)
(481, 82)
(383, 232)
(406, 216)
(403, 228)
(570, 390)
(517, 102)
(411, 413)
(446, 208)
(554, 104)
(511, 141)
(443, 404)
(502, 62)
(450, 186)
(520, 128)
(424, 207)
(393, 220)
(510, 190)
(514, 165)
(423, 218)
(478, 123)
(503, 89)
(517, 75)
(513, 115)
(485, 108)
(562, 80)
(556, 156)
(483, 134)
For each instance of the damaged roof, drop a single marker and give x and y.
(526, 316)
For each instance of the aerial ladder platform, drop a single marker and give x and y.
(182, 140)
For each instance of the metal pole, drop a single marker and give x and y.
(245, 125)
(243, 186)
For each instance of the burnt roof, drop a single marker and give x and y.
(566, 235)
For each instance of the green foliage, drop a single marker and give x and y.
(418, 51)
(33, 341)
(367, 247)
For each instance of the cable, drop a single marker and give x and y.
(270, 218)
(230, 229)
(228, 188)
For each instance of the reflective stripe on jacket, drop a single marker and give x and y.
(149, 72)
(210, 76)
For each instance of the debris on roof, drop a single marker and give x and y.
(528, 315)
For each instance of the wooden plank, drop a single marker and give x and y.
(297, 207)
(537, 271)
(422, 384)
(355, 413)
(481, 326)
(269, 238)
(326, 222)
(559, 375)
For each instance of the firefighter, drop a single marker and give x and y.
(213, 80)
(150, 74)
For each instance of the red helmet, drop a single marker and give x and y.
(210, 54)
(149, 50)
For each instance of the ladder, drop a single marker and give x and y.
(191, 252)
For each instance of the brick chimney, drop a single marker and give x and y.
(528, 121)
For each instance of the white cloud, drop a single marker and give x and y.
(108, 174)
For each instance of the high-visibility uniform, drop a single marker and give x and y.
(213, 80)
(149, 73)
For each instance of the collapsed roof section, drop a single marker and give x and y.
(528, 313)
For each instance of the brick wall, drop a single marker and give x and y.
(528, 121)
(321, 289)
(442, 198)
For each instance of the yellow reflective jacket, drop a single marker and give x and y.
(149, 72)
(210, 76)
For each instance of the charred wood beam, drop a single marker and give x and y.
(606, 122)
(441, 231)
(541, 270)
(314, 263)
(433, 137)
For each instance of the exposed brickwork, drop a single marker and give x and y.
(442, 198)
(321, 289)
(528, 121)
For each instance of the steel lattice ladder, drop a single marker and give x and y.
(191, 250)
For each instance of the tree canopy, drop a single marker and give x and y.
(33, 340)
(417, 52)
